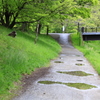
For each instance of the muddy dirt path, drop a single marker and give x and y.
(69, 77)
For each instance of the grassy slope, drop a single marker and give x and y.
(91, 51)
(21, 56)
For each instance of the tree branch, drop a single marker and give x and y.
(30, 21)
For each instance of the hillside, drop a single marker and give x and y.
(20, 55)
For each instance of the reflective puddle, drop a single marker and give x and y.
(80, 60)
(78, 55)
(59, 62)
(62, 54)
(76, 73)
(81, 86)
(49, 82)
(79, 64)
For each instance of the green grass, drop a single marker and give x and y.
(21, 56)
(90, 49)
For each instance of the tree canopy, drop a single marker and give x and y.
(13, 12)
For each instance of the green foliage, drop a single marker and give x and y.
(71, 15)
(44, 11)
(90, 49)
(21, 56)
(83, 12)
(88, 2)
(94, 18)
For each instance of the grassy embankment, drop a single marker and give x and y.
(90, 49)
(21, 56)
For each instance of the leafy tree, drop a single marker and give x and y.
(80, 11)
(93, 20)
(9, 11)
(40, 11)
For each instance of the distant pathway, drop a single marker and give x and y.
(69, 60)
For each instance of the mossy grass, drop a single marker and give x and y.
(81, 86)
(76, 73)
(79, 64)
(20, 55)
(90, 49)
(59, 62)
(49, 82)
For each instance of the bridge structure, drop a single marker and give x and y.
(90, 34)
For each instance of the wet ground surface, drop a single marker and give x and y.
(69, 77)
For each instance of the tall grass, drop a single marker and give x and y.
(21, 56)
(90, 49)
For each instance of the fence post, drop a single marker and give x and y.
(80, 39)
(96, 29)
(82, 29)
(78, 28)
(92, 29)
(85, 29)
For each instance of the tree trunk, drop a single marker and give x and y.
(24, 27)
(7, 22)
(37, 32)
(7, 18)
(47, 29)
(2, 21)
(12, 24)
(38, 28)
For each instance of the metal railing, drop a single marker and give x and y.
(93, 29)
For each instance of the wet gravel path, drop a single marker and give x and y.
(69, 60)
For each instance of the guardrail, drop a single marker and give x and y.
(88, 29)
(90, 33)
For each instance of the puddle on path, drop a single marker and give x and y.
(62, 54)
(75, 55)
(76, 73)
(59, 62)
(80, 60)
(79, 64)
(78, 55)
(81, 86)
(49, 82)
(60, 58)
